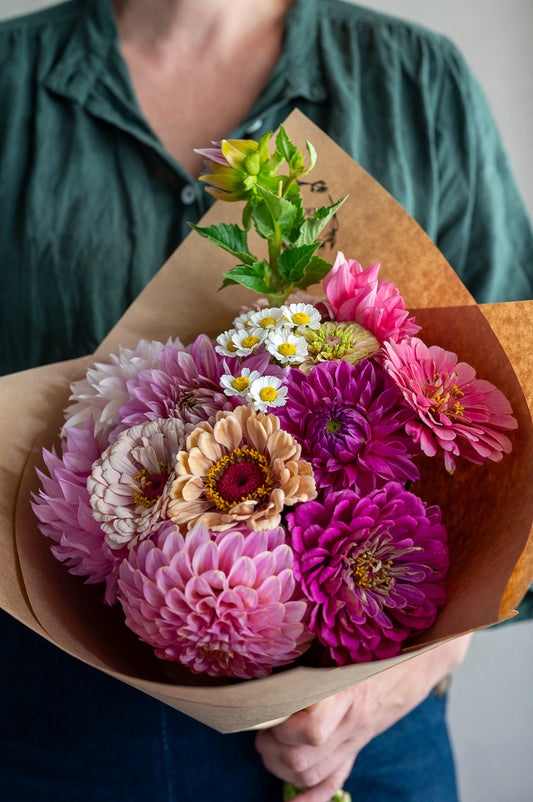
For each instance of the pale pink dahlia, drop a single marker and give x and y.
(463, 415)
(104, 389)
(243, 469)
(129, 485)
(350, 421)
(185, 385)
(224, 606)
(355, 294)
(64, 511)
(373, 568)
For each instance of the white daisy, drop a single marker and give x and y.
(226, 344)
(268, 319)
(267, 391)
(246, 341)
(300, 315)
(240, 384)
(286, 347)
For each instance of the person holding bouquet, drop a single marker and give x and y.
(106, 103)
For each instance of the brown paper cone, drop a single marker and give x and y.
(488, 510)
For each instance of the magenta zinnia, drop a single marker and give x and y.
(225, 605)
(372, 567)
(350, 422)
(463, 415)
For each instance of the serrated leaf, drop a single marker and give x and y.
(284, 146)
(282, 210)
(315, 271)
(294, 262)
(312, 227)
(230, 237)
(251, 276)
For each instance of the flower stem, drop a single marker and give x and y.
(290, 791)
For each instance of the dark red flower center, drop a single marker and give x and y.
(150, 485)
(242, 475)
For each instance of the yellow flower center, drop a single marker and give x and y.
(369, 571)
(267, 321)
(300, 319)
(268, 394)
(250, 341)
(287, 349)
(240, 383)
(231, 347)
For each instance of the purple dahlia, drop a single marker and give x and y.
(185, 385)
(373, 568)
(224, 605)
(350, 421)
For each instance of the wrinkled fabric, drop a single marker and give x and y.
(90, 207)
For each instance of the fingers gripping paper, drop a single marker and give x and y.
(488, 510)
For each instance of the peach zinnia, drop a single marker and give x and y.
(245, 469)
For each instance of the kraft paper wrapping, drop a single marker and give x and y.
(488, 510)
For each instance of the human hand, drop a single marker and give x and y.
(316, 748)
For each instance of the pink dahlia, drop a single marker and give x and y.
(463, 415)
(185, 384)
(350, 421)
(64, 511)
(224, 606)
(356, 295)
(129, 485)
(372, 567)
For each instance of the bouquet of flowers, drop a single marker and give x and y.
(303, 482)
(245, 496)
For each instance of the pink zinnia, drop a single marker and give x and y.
(355, 294)
(64, 510)
(463, 415)
(224, 605)
(373, 569)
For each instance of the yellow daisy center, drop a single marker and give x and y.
(240, 383)
(267, 321)
(250, 341)
(287, 349)
(300, 319)
(268, 394)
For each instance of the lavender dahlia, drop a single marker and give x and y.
(373, 568)
(64, 511)
(224, 605)
(350, 422)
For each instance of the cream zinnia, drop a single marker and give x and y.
(245, 469)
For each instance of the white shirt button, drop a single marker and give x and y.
(187, 195)
(255, 126)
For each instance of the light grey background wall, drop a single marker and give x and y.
(491, 700)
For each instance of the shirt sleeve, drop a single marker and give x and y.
(485, 229)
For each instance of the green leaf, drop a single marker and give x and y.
(251, 276)
(230, 237)
(294, 261)
(312, 227)
(282, 211)
(285, 147)
(314, 272)
(262, 219)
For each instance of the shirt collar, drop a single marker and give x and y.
(95, 43)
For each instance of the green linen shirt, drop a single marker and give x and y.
(92, 205)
